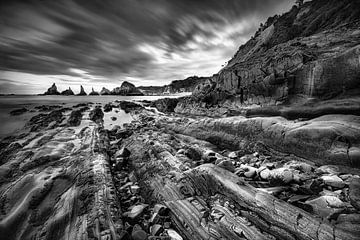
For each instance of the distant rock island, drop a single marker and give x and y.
(128, 89)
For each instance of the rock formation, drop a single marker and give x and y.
(176, 86)
(300, 55)
(127, 89)
(105, 91)
(67, 92)
(93, 93)
(82, 91)
(52, 90)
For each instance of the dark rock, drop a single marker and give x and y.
(67, 92)
(123, 152)
(82, 92)
(45, 108)
(75, 118)
(193, 154)
(42, 120)
(96, 115)
(18, 111)
(354, 192)
(108, 107)
(165, 104)
(52, 90)
(113, 118)
(129, 106)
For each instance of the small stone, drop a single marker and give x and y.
(138, 233)
(333, 181)
(173, 234)
(167, 225)
(136, 211)
(250, 172)
(113, 118)
(327, 169)
(233, 155)
(134, 189)
(265, 174)
(156, 229)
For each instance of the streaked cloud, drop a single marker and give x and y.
(103, 42)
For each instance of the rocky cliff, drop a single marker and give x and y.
(312, 51)
(127, 89)
(176, 86)
(105, 91)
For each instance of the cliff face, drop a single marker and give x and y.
(67, 92)
(312, 51)
(176, 86)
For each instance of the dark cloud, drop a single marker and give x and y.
(108, 38)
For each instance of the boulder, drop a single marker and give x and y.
(333, 181)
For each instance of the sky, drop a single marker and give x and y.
(101, 43)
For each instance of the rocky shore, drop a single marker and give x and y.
(169, 176)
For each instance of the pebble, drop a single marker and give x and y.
(173, 234)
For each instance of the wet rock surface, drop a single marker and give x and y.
(152, 180)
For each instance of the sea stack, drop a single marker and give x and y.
(67, 92)
(52, 90)
(93, 93)
(82, 91)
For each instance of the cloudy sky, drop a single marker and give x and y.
(104, 42)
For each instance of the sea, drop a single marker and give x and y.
(10, 124)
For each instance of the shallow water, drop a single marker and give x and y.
(10, 124)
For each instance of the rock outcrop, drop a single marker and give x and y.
(307, 52)
(176, 86)
(165, 104)
(127, 89)
(105, 91)
(82, 91)
(93, 93)
(67, 92)
(52, 90)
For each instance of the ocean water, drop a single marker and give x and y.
(10, 124)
